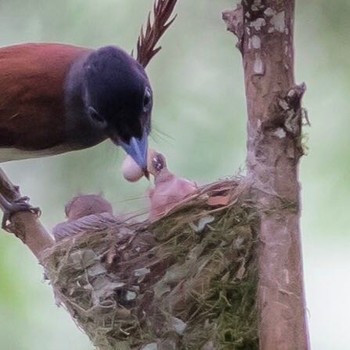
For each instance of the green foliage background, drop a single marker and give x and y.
(199, 123)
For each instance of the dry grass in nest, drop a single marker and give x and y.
(187, 281)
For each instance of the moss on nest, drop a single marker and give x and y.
(187, 281)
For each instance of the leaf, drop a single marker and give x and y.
(150, 346)
(83, 259)
(178, 325)
(202, 223)
(96, 270)
(218, 201)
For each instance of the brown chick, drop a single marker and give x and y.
(87, 204)
(85, 213)
(169, 189)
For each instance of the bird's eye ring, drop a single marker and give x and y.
(97, 118)
(147, 99)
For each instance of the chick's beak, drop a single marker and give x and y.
(137, 150)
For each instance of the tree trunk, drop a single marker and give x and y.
(265, 38)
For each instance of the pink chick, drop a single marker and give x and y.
(169, 189)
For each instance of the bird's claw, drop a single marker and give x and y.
(10, 208)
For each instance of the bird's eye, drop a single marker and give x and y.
(97, 118)
(147, 100)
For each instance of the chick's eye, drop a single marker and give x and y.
(147, 99)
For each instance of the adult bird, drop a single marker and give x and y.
(57, 98)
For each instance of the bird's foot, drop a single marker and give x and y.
(10, 208)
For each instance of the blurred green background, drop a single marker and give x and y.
(199, 123)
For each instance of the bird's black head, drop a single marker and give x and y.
(118, 99)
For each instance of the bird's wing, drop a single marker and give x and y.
(87, 224)
(32, 78)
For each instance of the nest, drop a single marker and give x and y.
(186, 281)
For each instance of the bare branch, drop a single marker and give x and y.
(154, 30)
(25, 225)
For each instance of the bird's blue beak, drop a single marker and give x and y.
(137, 150)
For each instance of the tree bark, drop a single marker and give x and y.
(25, 225)
(265, 39)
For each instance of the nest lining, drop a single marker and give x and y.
(187, 281)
